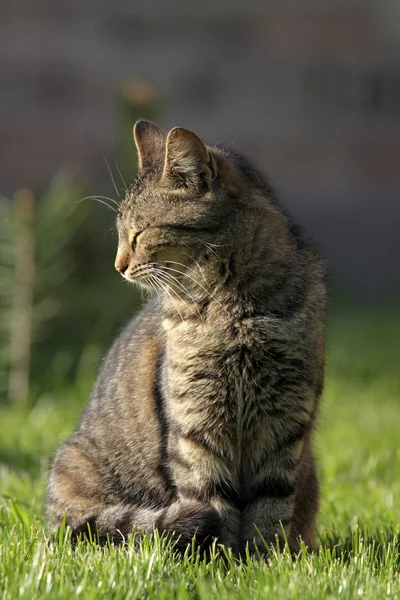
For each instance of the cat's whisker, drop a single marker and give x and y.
(208, 248)
(163, 285)
(153, 282)
(175, 281)
(111, 175)
(105, 203)
(98, 200)
(120, 174)
(216, 245)
(195, 281)
(169, 292)
(167, 278)
(199, 267)
(156, 282)
(185, 274)
(211, 246)
(146, 290)
(186, 292)
(173, 291)
(106, 198)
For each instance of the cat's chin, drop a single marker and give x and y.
(141, 283)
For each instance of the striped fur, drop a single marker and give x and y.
(201, 419)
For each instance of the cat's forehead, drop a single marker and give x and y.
(146, 203)
(140, 192)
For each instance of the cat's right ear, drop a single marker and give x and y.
(150, 143)
(188, 163)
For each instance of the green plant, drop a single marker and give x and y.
(56, 285)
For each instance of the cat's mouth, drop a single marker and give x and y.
(167, 276)
(171, 279)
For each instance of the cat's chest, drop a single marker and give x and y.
(213, 380)
(194, 342)
(201, 332)
(216, 361)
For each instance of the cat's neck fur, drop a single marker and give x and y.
(261, 277)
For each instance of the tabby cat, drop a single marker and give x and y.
(201, 419)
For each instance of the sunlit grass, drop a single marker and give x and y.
(357, 444)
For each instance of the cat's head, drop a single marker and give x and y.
(186, 222)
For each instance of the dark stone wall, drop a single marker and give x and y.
(310, 90)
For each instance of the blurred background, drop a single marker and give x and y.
(310, 91)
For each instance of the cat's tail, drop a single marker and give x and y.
(186, 521)
(182, 521)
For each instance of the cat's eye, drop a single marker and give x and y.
(135, 238)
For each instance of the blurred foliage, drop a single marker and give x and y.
(78, 301)
(7, 252)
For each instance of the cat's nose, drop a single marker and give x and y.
(121, 266)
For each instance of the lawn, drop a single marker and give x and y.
(357, 444)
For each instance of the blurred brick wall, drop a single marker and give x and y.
(310, 90)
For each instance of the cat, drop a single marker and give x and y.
(200, 422)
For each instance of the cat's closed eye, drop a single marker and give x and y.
(135, 239)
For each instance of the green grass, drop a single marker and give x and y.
(357, 444)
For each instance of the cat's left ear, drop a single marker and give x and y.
(150, 143)
(188, 163)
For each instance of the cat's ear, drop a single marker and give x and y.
(188, 163)
(150, 143)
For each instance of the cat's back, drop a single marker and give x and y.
(131, 363)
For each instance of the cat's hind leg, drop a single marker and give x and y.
(78, 493)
